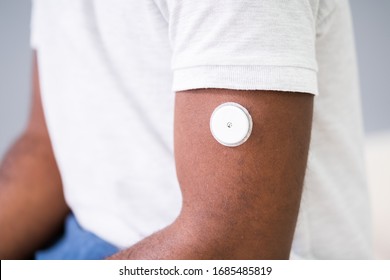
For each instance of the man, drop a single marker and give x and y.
(124, 93)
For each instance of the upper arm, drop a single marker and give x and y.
(243, 201)
(30, 184)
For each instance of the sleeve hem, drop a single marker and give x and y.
(281, 78)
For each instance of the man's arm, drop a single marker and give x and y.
(240, 202)
(32, 206)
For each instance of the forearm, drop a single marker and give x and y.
(32, 206)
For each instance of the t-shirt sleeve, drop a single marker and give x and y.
(33, 25)
(245, 45)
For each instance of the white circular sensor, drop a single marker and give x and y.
(231, 124)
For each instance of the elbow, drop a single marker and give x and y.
(230, 237)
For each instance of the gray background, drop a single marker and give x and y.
(15, 57)
(372, 39)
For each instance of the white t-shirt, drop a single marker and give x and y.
(109, 70)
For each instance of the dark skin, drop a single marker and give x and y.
(32, 205)
(241, 202)
(238, 203)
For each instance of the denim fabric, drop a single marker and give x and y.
(77, 244)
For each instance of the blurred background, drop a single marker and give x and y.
(372, 35)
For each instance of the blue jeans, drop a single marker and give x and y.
(77, 244)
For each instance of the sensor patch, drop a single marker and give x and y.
(231, 124)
